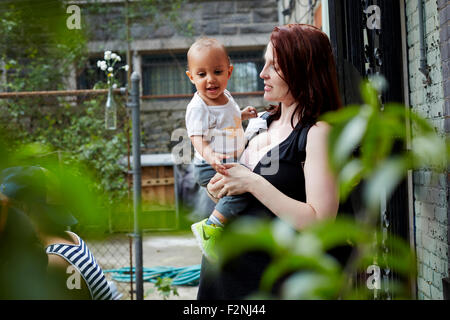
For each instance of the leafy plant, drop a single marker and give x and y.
(38, 50)
(70, 128)
(164, 287)
(76, 184)
(367, 144)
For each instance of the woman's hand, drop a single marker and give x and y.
(238, 180)
(215, 160)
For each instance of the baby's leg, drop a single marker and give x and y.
(227, 208)
(217, 219)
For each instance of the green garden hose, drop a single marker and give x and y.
(182, 276)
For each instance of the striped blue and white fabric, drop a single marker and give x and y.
(82, 259)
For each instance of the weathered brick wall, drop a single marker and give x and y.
(430, 187)
(444, 32)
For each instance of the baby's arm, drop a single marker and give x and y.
(213, 158)
(248, 112)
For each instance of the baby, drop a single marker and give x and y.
(214, 125)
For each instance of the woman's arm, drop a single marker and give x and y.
(321, 189)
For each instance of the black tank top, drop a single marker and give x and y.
(285, 170)
(240, 277)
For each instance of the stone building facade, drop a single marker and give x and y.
(242, 26)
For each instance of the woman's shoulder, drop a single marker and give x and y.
(57, 263)
(318, 133)
(61, 276)
(320, 128)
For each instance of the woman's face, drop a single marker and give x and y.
(275, 88)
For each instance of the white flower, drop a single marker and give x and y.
(103, 66)
(118, 58)
(126, 67)
(113, 56)
(99, 63)
(110, 69)
(107, 55)
(114, 86)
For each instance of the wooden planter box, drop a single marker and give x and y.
(160, 209)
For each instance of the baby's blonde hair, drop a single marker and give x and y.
(206, 42)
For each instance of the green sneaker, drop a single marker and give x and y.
(206, 235)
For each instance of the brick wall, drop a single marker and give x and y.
(430, 187)
(444, 33)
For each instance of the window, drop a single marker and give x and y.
(245, 77)
(166, 74)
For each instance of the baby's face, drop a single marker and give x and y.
(209, 71)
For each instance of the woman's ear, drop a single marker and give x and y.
(188, 73)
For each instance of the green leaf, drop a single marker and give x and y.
(349, 138)
(349, 177)
(369, 94)
(311, 286)
(339, 232)
(341, 116)
(288, 264)
(245, 234)
(431, 150)
(383, 181)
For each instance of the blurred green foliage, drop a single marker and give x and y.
(39, 54)
(370, 144)
(23, 261)
(303, 259)
(37, 48)
(74, 137)
(77, 182)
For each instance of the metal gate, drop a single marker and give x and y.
(366, 37)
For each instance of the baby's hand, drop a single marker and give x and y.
(249, 112)
(216, 163)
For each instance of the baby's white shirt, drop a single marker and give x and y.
(221, 125)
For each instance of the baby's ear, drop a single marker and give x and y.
(230, 71)
(190, 76)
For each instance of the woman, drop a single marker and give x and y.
(289, 178)
(72, 271)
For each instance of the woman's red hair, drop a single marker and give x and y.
(305, 58)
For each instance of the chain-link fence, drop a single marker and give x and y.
(112, 253)
(72, 125)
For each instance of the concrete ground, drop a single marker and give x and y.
(174, 251)
(169, 249)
